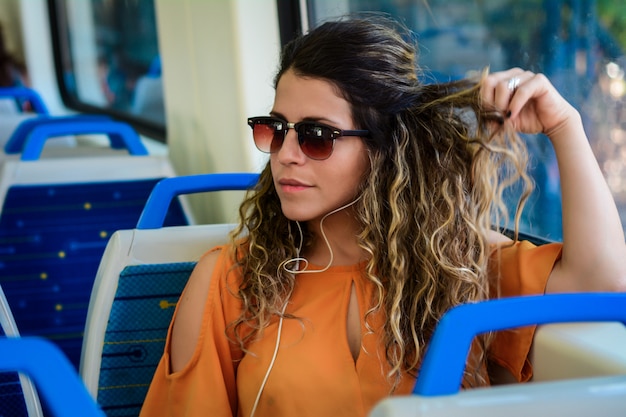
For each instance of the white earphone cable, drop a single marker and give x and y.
(299, 259)
(271, 365)
(296, 271)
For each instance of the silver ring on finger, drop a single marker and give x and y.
(513, 84)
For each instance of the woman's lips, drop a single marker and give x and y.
(290, 185)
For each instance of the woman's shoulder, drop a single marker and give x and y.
(522, 268)
(206, 280)
(206, 266)
(211, 258)
(218, 260)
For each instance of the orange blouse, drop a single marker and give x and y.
(314, 373)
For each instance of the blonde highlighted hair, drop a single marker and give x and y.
(440, 163)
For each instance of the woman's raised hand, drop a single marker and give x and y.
(529, 101)
(593, 255)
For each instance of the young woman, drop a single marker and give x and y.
(372, 218)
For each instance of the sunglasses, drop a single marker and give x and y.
(315, 139)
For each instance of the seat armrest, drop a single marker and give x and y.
(578, 350)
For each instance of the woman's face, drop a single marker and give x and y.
(308, 189)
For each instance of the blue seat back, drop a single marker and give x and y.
(437, 390)
(141, 277)
(52, 238)
(17, 139)
(442, 369)
(18, 397)
(62, 391)
(142, 309)
(22, 95)
(12, 401)
(56, 217)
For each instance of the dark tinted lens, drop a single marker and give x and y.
(315, 141)
(266, 136)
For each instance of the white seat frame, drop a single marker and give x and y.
(137, 247)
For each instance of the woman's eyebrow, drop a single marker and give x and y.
(323, 120)
(277, 114)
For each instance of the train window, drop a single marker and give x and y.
(107, 60)
(578, 44)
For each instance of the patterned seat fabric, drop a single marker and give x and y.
(52, 238)
(135, 335)
(18, 397)
(12, 401)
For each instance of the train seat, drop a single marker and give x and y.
(16, 130)
(33, 136)
(578, 350)
(436, 391)
(141, 275)
(62, 392)
(13, 116)
(9, 123)
(57, 215)
(18, 397)
(601, 396)
(12, 99)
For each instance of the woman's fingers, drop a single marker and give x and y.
(527, 99)
(495, 89)
(500, 87)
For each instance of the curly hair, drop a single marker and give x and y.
(440, 162)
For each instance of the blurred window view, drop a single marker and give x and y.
(578, 44)
(110, 57)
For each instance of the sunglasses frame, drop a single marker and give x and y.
(334, 132)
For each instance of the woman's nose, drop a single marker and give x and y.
(290, 152)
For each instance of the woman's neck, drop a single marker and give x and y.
(341, 230)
